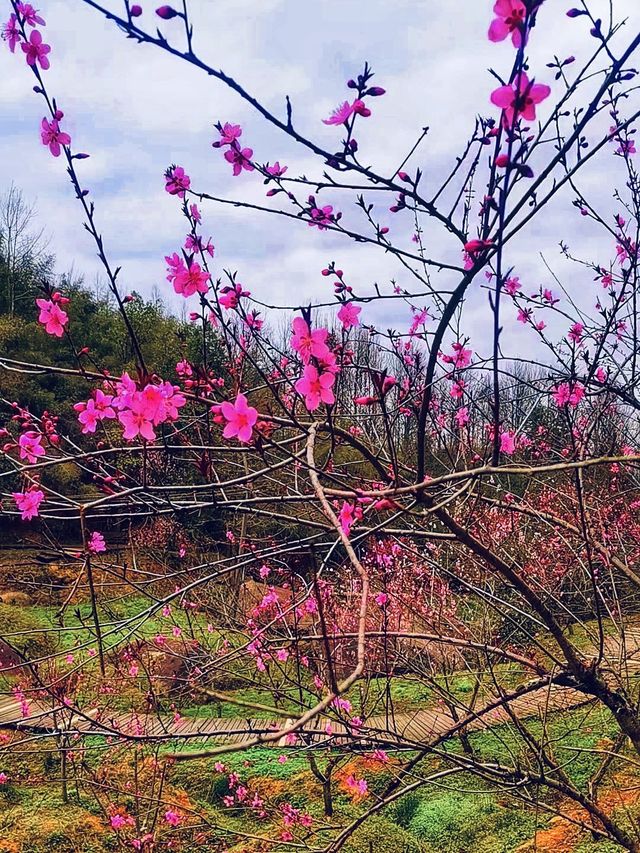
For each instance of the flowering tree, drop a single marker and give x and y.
(320, 514)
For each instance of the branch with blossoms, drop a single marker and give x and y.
(320, 513)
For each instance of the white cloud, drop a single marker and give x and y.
(136, 110)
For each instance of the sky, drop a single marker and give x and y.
(136, 110)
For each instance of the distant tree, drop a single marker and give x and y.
(24, 258)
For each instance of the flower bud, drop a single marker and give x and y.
(136, 11)
(166, 13)
(375, 91)
(573, 13)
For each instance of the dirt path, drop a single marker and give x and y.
(404, 729)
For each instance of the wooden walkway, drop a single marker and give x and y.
(400, 730)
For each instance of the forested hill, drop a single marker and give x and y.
(97, 338)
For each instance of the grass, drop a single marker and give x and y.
(455, 817)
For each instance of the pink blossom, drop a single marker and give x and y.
(308, 343)
(510, 20)
(175, 264)
(475, 247)
(512, 285)
(139, 418)
(361, 109)
(29, 503)
(96, 543)
(52, 317)
(93, 411)
(52, 136)
(229, 297)
(30, 444)
(88, 416)
(276, 170)
(253, 321)
(118, 821)
(382, 599)
(172, 818)
(240, 417)
(348, 516)
(457, 389)
(566, 394)
(36, 50)
(11, 33)
(3, 778)
(30, 15)
(420, 318)
(462, 416)
(348, 315)
(177, 181)
(461, 357)
(358, 786)
(193, 279)
(240, 158)
(343, 113)
(575, 333)
(321, 217)
(195, 243)
(507, 442)
(315, 387)
(340, 115)
(577, 393)
(519, 99)
(229, 134)
(282, 655)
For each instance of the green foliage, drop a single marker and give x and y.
(41, 823)
(403, 811)
(25, 629)
(379, 833)
(454, 822)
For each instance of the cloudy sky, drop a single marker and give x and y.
(136, 110)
